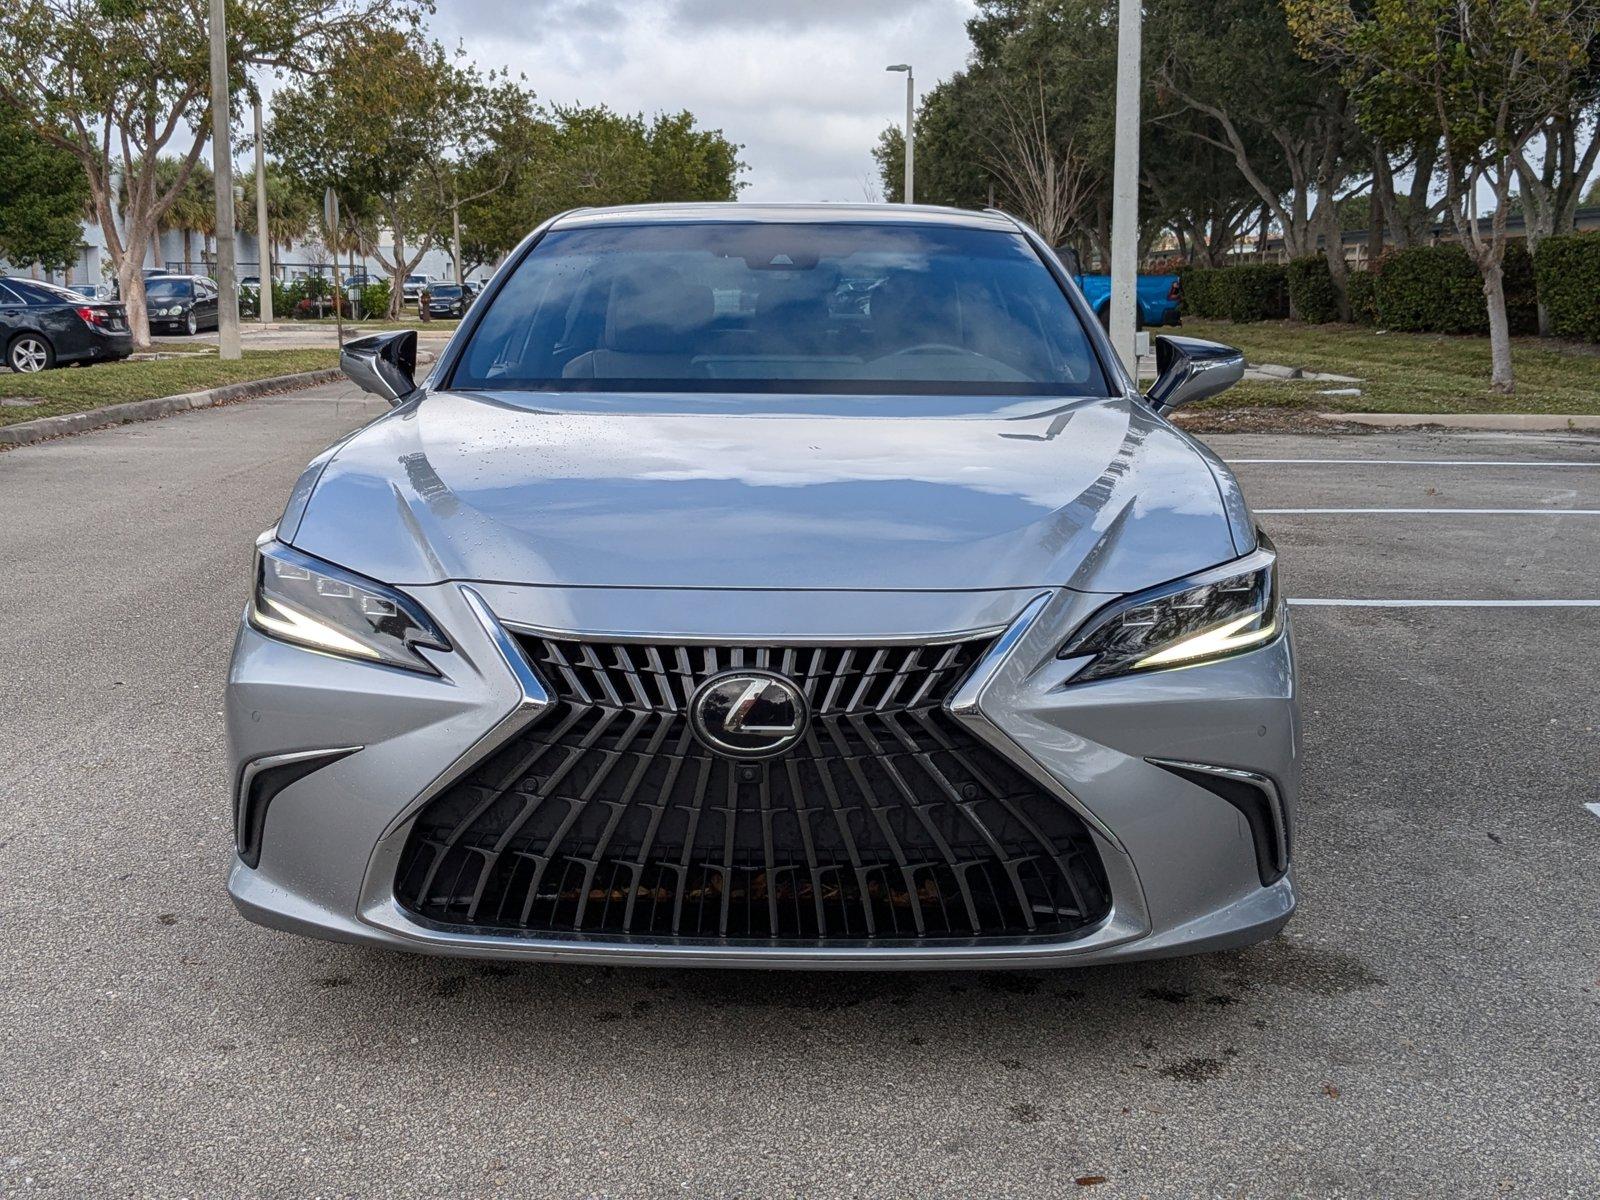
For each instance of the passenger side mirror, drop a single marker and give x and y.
(384, 364)
(1188, 369)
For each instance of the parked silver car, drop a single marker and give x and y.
(801, 586)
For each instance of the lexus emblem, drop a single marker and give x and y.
(748, 714)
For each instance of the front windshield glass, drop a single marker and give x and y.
(168, 289)
(775, 307)
(444, 292)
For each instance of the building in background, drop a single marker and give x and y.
(301, 258)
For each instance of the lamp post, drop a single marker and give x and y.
(264, 272)
(222, 172)
(911, 110)
(1125, 187)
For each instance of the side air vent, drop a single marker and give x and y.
(1257, 798)
(261, 782)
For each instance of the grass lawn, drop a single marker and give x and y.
(1404, 372)
(77, 389)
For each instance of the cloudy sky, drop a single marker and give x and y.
(799, 83)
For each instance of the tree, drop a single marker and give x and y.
(116, 82)
(1045, 177)
(43, 197)
(1483, 76)
(397, 133)
(572, 156)
(1237, 63)
(291, 209)
(1056, 60)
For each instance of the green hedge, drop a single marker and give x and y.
(1568, 272)
(1363, 297)
(1312, 297)
(374, 299)
(1438, 289)
(1246, 293)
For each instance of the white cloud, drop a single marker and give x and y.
(799, 83)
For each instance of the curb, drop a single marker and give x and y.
(1526, 422)
(25, 433)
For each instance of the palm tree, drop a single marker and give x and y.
(166, 174)
(195, 211)
(290, 209)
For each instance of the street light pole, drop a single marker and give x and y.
(264, 306)
(911, 136)
(1125, 187)
(222, 173)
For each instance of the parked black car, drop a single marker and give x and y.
(43, 326)
(448, 300)
(185, 303)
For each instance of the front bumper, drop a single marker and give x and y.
(1182, 864)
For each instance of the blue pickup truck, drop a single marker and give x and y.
(1157, 294)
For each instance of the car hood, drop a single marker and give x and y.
(900, 493)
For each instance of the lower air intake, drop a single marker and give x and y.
(888, 822)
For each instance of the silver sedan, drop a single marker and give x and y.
(790, 586)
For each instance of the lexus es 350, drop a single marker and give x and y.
(799, 586)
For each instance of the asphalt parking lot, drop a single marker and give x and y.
(1428, 1025)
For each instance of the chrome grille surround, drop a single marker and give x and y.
(605, 820)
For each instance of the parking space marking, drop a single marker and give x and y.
(1315, 602)
(1594, 808)
(1457, 512)
(1410, 462)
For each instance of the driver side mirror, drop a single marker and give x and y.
(384, 364)
(1188, 369)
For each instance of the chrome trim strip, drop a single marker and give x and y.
(255, 766)
(899, 639)
(1265, 783)
(532, 701)
(965, 706)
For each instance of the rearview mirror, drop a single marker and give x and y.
(384, 364)
(1188, 369)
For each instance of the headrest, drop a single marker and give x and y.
(651, 313)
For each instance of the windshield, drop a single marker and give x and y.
(444, 291)
(168, 289)
(772, 307)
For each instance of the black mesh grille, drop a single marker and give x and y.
(888, 822)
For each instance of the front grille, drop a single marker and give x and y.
(609, 820)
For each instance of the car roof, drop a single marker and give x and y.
(740, 212)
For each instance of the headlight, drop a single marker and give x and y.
(1207, 616)
(311, 603)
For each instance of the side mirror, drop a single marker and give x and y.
(384, 364)
(1188, 369)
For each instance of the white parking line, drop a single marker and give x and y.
(1411, 462)
(1313, 602)
(1456, 512)
(1594, 808)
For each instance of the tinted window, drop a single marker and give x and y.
(778, 307)
(442, 291)
(33, 292)
(168, 289)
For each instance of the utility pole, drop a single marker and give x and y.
(911, 135)
(455, 236)
(222, 172)
(1125, 186)
(264, 307)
